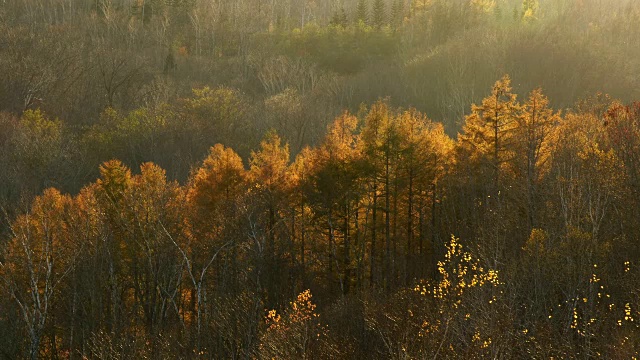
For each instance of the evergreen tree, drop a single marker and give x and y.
(397, 13)
(362, 12)
(343, 17)
(339, 18)
(379, 14)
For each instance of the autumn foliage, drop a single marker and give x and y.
(542, 261)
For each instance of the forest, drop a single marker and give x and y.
(319, 179)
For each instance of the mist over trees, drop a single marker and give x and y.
(302, 179)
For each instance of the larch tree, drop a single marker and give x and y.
(484, 164)
(487, 133)
(156, 206)
(533, 144)
(412, 174)
(334, 192)
(301, 171)
(215, 187)
(111, 191)
(268, 176)
(622, 124)
(379, 144)
(214, 196)
(425, 155)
